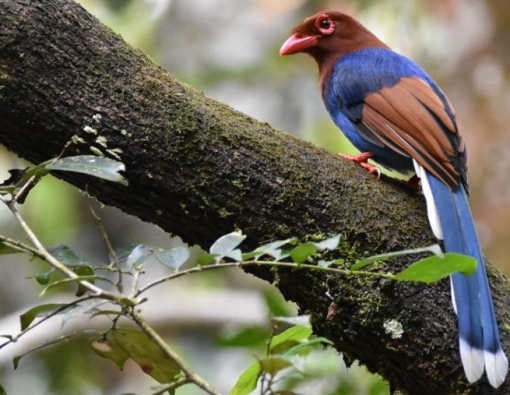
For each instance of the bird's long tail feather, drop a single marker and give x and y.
(479, 342)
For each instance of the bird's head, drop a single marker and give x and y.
(329, 35)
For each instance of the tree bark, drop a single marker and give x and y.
(200, 169)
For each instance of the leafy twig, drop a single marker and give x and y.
(188, 372)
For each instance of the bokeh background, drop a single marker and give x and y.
(229, 50)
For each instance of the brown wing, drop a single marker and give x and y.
(411, 119)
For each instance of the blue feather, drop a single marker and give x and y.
(478, 330)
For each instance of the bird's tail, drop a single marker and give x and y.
(479, 343)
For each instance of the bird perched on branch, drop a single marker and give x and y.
(396, 115)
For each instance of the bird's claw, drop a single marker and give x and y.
(362, 159)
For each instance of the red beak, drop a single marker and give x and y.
(298, 43)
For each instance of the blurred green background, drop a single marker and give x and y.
(229, 50)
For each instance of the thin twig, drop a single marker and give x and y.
(14, 339)
(172, 386)
(109, 246)
(41, 252)
(188, 372)
(197, 269)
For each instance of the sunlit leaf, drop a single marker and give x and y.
(435, 249)
(295, 333)
(328, 244)
(138, 255)
(120, 254)
(39, 311)
(227, 243)
(97, 166)
(173, 258)
(434, 268)
(272, 249)
(302, 252)
(147, 354)
(247, 382)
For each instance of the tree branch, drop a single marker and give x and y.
(199, 169)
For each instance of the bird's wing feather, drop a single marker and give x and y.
(409, 117)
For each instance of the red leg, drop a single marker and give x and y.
(362, 159)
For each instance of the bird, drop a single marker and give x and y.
(396, 115)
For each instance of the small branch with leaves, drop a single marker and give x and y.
(144, 345)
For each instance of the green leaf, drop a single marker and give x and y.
(434, 268)
(74, 280)
(51, 342)
(302, 252)
(304, 348)
(435, 249)
(109, 349)
(207, 259)
(247, 382)
(120, 254)
(138, 255)
(43, 278)
(274, 364)
(66, 256)
(284, 347)
(296, 333)
(39, 311)
(83, 271)
(82, 308)
(276, 304)
(243, 337)
(147, 354)
(173, 258)
(97, 166)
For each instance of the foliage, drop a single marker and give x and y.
(277, 367)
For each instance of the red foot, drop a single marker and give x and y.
(362, 159)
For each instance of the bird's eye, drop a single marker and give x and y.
(324, 25)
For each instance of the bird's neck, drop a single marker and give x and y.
(327, 58)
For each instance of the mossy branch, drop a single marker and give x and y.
(199, 169)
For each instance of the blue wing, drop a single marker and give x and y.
(386, 104)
